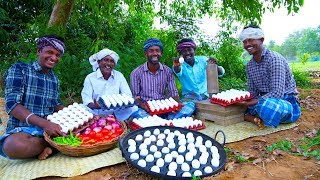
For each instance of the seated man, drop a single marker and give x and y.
(105, 81)
(271, 82)
(153, 80)
(32, 93)
(192, 74)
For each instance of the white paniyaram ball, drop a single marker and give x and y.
(153, 138)
(173, 166)
(160, 162)
(153, 148)
(139, 137)
(189, 135)
(197, 173)
(214, 149)
(134, 156)
(208, 169)
(198, 144)
(190, 146)
(155, 169)
(171, 173)
(189, 156)
(156, 131)
(149, 158)
(195, 163)
(215, 155)
(205, 154)
(185, 167)
(208, 144)
(202, 148)
(157, 154)
(181, 136)
(165, 150)
(142, 163)
(160, 142)
(144, 152)
(176, 133)
(147, 141)
(174, 154)
(161, 136)
(131, 142)
(215, 162)
(166, 131)
(199, 138)
(168, 158)
(190, 140)
(182, 142)
(194, 151)
(182, 149)
(171, 145)
(132, 149)
(147, 133)
(170, 135)
(180, 159)
(186, 174)
(203, 160)
(143, 146)
(169, 139)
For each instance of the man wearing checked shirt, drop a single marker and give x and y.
(271, 82)
(31, 93)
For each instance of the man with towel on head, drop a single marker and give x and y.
(154, 80)
(192, 74)
(271, 82)
(32, 93)
(105, 81)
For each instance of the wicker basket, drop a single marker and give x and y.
(86, 150)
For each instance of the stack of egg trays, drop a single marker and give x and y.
(175, 108)
(105, 107)
(233, 101)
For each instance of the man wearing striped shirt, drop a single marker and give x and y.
(271, 82)
(154, 80)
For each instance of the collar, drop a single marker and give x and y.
(38, 68)
(99, 73)
(145, 66)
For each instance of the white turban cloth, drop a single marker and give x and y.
(93, 59)
(251, 33)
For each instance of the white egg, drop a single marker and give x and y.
(205, 154)
(149, 158)
(176, 133)
(156, 131)
(155, 169)
(189, 135)
(173, 166)
(202, 148)
(160, 162)
(160, 142)
(168, 158)
(194, 151)
(153, 138)
(147, 133)
(161, 136)
(189, 156)
(131, 142)
(165, 150)
(181, 136)
(166, 131)
(142, 163)
(199, 138)
(195, 163)
(153, 148)
(215, 155)
(182, 149)
(169, 140)
(186, 174)
(182, 142)
(185, 167)
(215, 162)
(143, 146)
(171, 173)
(132, 149)
(208, 169)
(190, 140)
(181, 60)
(144, 152)
(208, 143)
(139, 137)
(134, 156)
(174, 154)
(147, 141)
(214, 149)
(198, 144)
(157, 154)
(197, 173)
(180, 159)
(170, 135)
(171, 145)
(203, 160)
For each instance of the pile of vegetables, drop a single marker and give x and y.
(104, 129)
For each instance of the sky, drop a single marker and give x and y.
(278, 25)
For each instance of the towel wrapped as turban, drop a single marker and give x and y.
(185, 43)
(93, 59)
(251, 33)
(152, 42)
(51, 40)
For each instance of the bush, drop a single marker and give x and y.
(302, 79)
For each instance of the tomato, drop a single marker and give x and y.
(119, 131)
(99, 135)
(92, 134)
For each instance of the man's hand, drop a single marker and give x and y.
(212, 60)
(176, 62)
(53, 129)
(247, 103)
(94, 105)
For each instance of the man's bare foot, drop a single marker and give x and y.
(255, 120)
(45, 153)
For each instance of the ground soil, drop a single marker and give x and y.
(263, 165)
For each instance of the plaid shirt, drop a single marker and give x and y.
(271, 77)
(27, 85)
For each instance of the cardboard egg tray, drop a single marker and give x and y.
(232, 101)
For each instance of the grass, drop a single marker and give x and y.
(308, 66)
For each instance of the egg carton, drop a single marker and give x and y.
(116, 101)
(157, 107)
(73, 118)
(185, 122)
(229, 97)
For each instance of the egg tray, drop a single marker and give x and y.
(117, 107)
(85, 125)
(175, 108)
(225, 103)
(123, 144)
(134, 126)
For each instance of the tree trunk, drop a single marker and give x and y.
(61, 13)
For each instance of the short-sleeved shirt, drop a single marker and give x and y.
(28, 85)
(271, 77)
(151, 86)
(194, 78)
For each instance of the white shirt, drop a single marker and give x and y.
(95, 86)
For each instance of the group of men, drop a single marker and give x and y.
(32, 89)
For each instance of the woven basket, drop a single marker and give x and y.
(86, 150)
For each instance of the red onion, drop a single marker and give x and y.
(92, 126)
(115, 125)
(97, 129)
(109, 127)
(102, 122)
